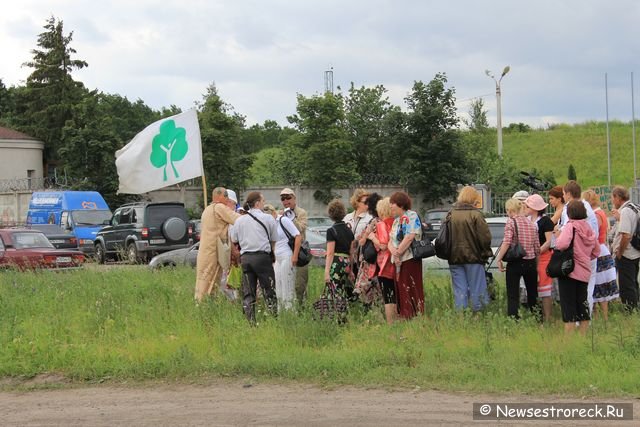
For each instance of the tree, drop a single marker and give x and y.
(225, 161)
(435, 157)
(477, 121)
(322, 155)
(51, 93)
(101, 124)
(367, 118)
(4, 101)
(571, 173)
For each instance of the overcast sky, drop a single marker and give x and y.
(260, 54)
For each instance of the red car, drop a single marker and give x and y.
(30, 249)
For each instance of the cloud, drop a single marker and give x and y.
(261, 54)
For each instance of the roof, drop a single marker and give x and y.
(8, 134)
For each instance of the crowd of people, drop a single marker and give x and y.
(368, 255)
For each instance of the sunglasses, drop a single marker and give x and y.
(285, 197)
(363, 200)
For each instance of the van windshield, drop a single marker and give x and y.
(89, 218)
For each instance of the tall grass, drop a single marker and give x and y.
(131, 323)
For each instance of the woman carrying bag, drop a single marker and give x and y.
(573, 288)
(519, 231)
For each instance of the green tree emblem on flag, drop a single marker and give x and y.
(169, 146)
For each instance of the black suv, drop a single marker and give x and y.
(138, 230)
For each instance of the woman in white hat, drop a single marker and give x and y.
(536, 207)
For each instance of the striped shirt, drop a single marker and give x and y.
(527, 235)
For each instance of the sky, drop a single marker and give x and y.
(261, 54)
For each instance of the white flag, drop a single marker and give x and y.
(166, 152)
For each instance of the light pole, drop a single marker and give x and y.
(499, 104)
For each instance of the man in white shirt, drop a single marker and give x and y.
(626, 256)
(256, 233)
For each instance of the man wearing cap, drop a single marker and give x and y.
(216, 219)
(288, 199)
(521, 195)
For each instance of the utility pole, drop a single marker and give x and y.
(499, 104)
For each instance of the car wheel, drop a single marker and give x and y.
(174, 229)
(132, 253)
(100, 253)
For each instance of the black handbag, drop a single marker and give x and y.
(561, 262)
(369, 252)
(422, 248)
(304, 254)
(330, 306)
(442, 244)
(515, 252)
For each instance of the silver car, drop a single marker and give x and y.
(186, 256)
(496, 228)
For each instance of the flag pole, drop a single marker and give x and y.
(204, 189)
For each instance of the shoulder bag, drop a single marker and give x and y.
(369, 251)
(515, 252)
(442, 244)
(304, 254)
(422, 248)
(562, 263)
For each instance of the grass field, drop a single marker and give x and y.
(583, 145)
(128, 323)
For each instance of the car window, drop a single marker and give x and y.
(91, 217)
(436, 216)
(30, 240)
(116, 217)
(319, 222)
(125, 216)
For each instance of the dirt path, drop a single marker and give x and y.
(232, 403)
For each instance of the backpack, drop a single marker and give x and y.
(635, 237)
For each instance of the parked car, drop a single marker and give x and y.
(138, 230)
(319, 224)
(186, 256)
(496, 228)
(432, 220)
(28, 249)
(196, 226)
(59, 238)
(82, 213)
(318, 246)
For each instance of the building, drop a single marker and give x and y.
(20, 157)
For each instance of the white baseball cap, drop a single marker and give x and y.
(232, 196)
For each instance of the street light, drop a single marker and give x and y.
(499, 102)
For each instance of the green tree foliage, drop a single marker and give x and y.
(50, 95)
(571, 173)
(322, 155)
(369, 125)
(435, 158)
(5, 106)
(225, 161)
(101, 125)
(477, 121)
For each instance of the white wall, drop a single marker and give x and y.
(18, 156)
